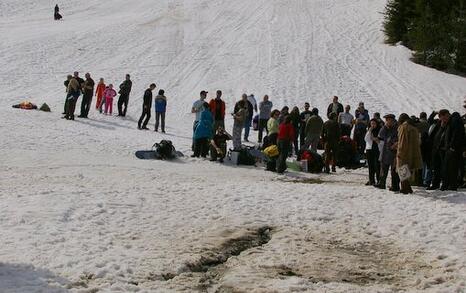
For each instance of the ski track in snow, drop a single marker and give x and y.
(78, 213)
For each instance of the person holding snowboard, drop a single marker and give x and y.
(146, 107)
(125, 90)
(74, 91)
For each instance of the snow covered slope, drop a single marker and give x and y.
(78, 213)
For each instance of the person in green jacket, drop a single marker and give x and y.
(313, 130)
(272, 126)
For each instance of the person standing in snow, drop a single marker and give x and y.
(74, 91)
(334, 107)
(240, 114)
(372, 152)
(345, 119)
(79, 79)
(286, 136)
(252, 107)
(265, 109)
(408, 155)
(283, 113)
(99, 93)
(125, 90)
(109, 94)
(295, 121)
(272, 127)
(160, 110)
(88, 92)
(197, 108)
(146, 107)
(203, 132)
(331, 138)
(66, 83)
(388, 136)
(217, 107)
(362, 120)
(313, 130)
(306, 114)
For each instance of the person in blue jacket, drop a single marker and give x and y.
(203, 132)
(160, 109)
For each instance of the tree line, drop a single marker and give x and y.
(435, 31)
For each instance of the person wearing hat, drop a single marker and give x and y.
(388, 138)
(408, 155)
(217, 107)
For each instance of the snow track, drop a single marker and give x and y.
(78, 212)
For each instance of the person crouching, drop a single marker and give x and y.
(286, 136)
(218, 145)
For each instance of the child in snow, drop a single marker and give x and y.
(109, 94)
(99, 93)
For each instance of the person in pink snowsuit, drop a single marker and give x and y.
(109, 94)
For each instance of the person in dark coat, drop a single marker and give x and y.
(372, 152)
(125, 90)
(361, 115)
(203, 132)
(331, 138)
(160, 110)
(88, 92)
(334, 107)
(56, 13)
(218, 145)
(295, 121)
(389, 136)
(435, 134)
(146, 107)
(452, 146)
(306, 114)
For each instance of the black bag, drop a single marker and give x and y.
(165, 150)
(246, 158)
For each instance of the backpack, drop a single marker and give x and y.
(315, 163)
(271, 151)
(246, 158)
(165, 150)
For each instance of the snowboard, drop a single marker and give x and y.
(153, 155)
(147, 155)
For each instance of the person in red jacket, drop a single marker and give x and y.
(217, 108)
(286, 135)
(99, 93)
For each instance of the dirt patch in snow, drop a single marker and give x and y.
(252, 259)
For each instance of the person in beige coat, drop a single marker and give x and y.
(408, 156)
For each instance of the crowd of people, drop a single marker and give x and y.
(428, 148)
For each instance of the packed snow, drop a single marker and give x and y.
(79, 213)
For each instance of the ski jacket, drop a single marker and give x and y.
(205, 126)
(286, 132)
(109, 93)
(213, 104)
(99, 92)
(160, 104)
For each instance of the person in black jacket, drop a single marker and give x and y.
(125, 89)
(334, 107)
(56, 14)
(432, 148)
(88, 92)
(65, 83)
(146, 107)
(452, 145)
